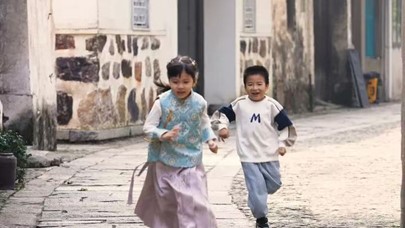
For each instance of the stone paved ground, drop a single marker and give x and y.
(344, 171)
(347, 179)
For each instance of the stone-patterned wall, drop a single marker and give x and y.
(255, 51)
(105, 81)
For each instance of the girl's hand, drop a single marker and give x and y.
(172, 134)
(213, 146)
(282, 151)
(223, 134)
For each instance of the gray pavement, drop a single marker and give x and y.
(349, 179)
(344, 171)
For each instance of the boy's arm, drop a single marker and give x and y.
(222, 117)
(287, 136)
(208, 134)
(207, 131)
(220, 121)
(287, 132)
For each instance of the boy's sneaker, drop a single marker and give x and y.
(262, 223)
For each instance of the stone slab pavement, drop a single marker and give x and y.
(350, 179)
(343, 172)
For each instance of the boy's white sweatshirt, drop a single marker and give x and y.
(261, 128)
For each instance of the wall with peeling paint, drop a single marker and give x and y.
(15, 84)
(42, 74)
(292, 55)
(332, 37)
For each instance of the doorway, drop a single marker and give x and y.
(322, 47)
(191, 35)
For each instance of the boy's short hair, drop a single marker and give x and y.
(254, 70)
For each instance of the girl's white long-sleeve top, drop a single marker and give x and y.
(261, 128)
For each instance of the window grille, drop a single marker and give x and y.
(140, 14)
(249, 15)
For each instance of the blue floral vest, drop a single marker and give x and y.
(186, 151)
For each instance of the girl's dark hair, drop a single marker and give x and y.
(253, 70)
(174, 69)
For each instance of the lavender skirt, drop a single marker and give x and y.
(175, 198)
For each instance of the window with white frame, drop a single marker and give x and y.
(249, 15)
(396, 23)
(140, 14)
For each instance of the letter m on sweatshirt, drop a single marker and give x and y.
(255, 117)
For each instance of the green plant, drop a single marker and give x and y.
(13, 142)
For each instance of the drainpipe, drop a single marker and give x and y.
(362, 49)
(311, 94)
(1, 116)
(386, 63)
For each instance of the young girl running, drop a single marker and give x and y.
(175, 189)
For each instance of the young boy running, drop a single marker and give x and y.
(263, 130)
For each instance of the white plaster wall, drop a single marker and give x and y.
(116, 15)
(75, 14)
(112, 16)
(42, 73)
(393, 60)
(396, 74)
(264, 30)
(16, 95)
(164, 16)
(41, 54)
(263, 17)
(220, 51)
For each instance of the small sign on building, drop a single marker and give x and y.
(140, 14)
(249, 15)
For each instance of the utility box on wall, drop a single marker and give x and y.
(373, 86)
